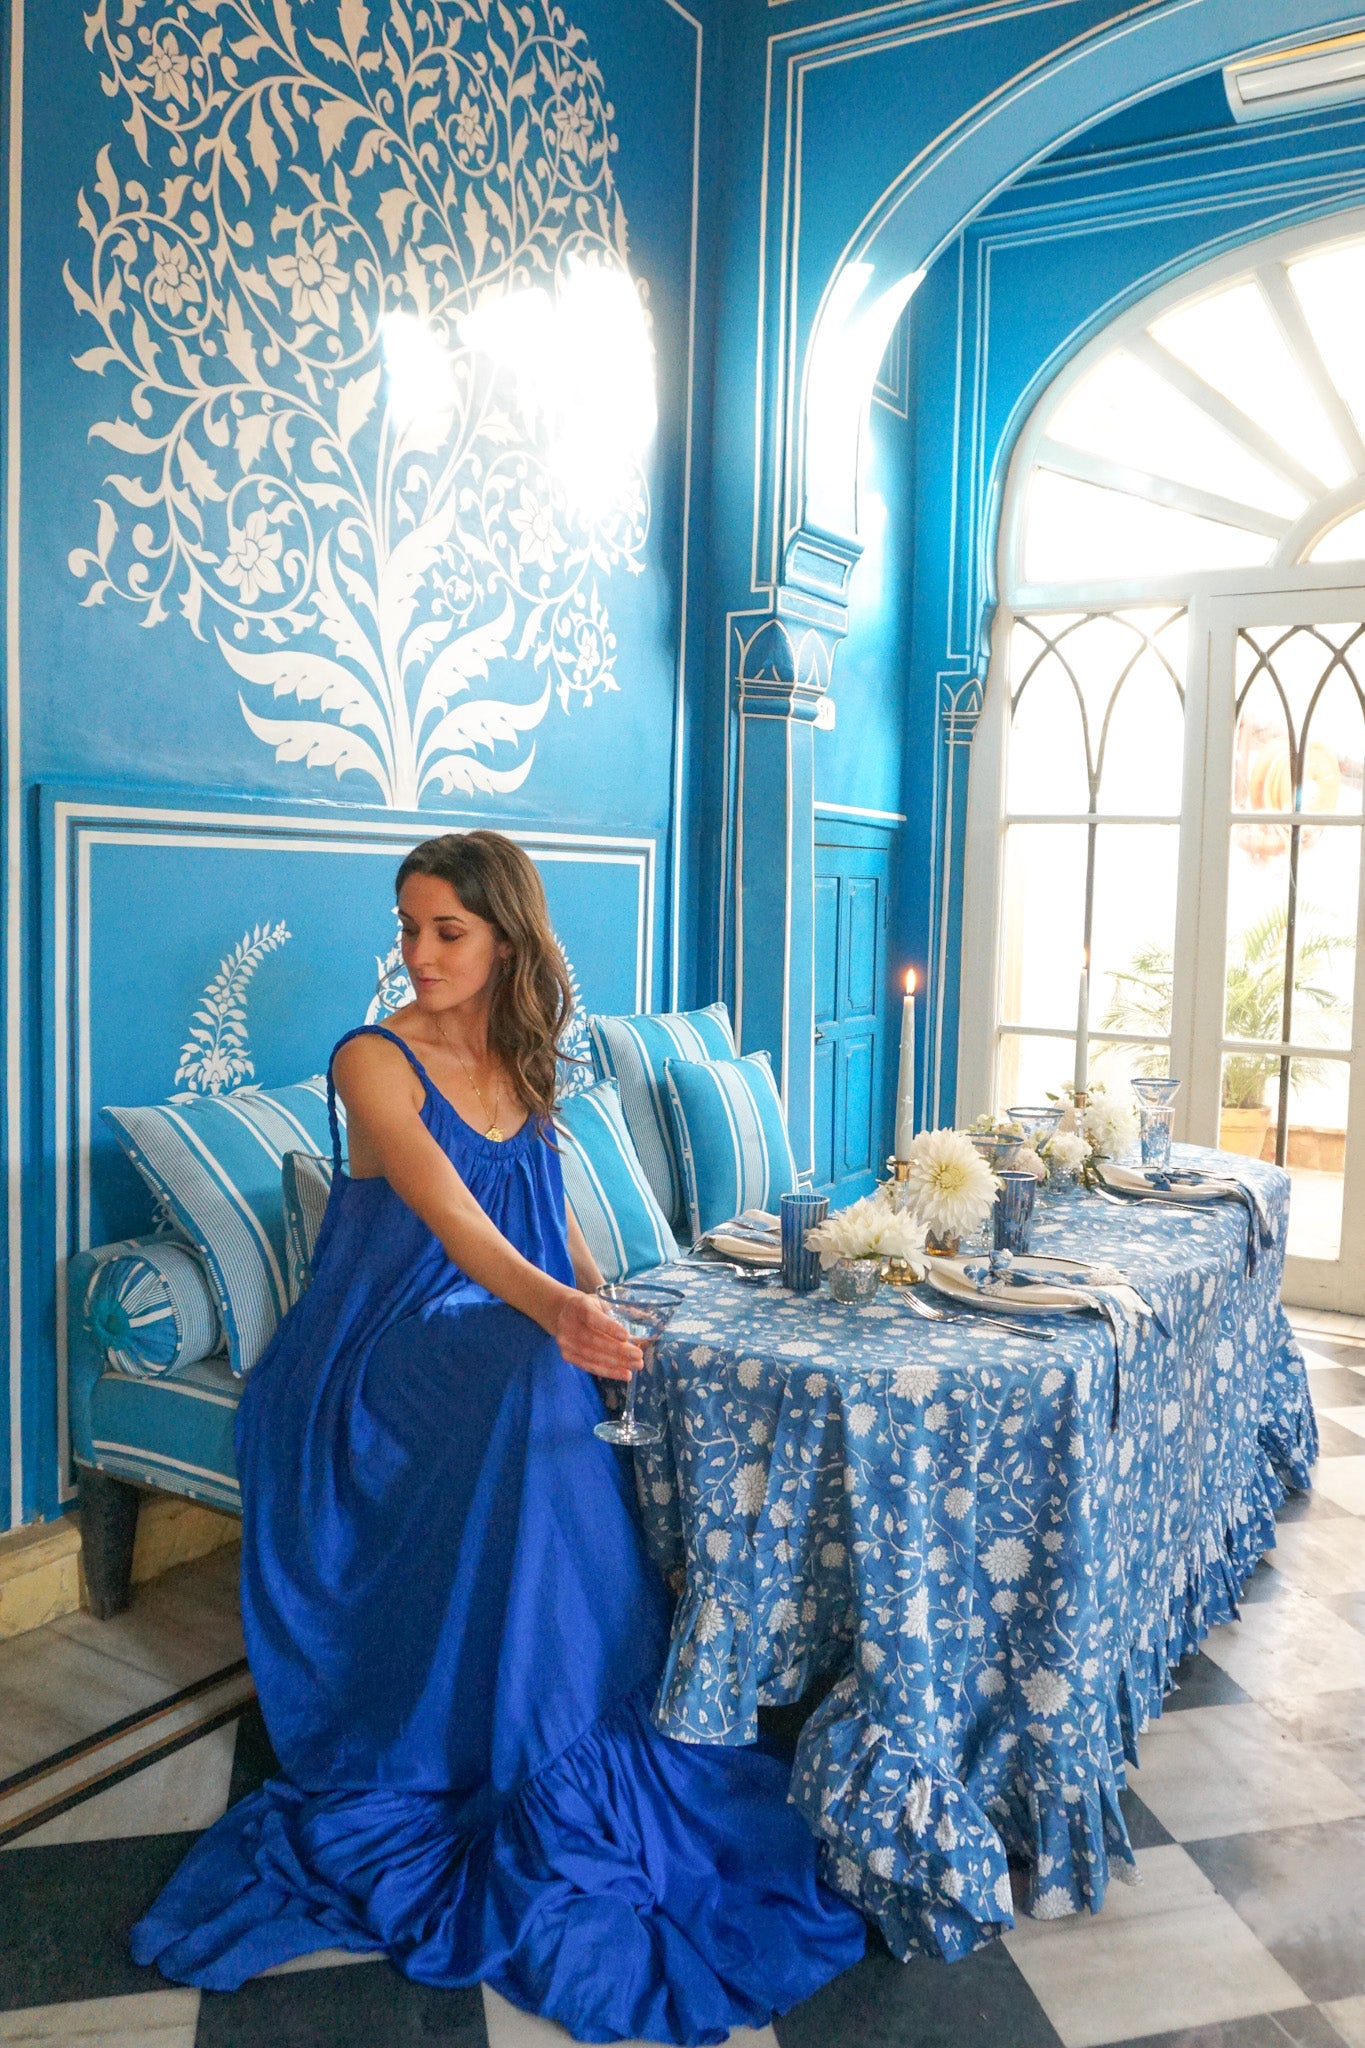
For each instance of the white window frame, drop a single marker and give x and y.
(1213, 598)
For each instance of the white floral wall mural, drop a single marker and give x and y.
(384, 380)
(217, 1054)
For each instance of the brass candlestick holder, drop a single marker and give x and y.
(898, 1272)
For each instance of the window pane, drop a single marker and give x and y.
(1344, 542)
(1116, 1065)
(1030, 1070)
(1258, 917)
(1078, 533)
(1125, 411)
(1133, 929)
(1047, 758)
(1315, 1148)
(1044, 911)
(1144, 748)
(1334, 734)
(1325, 935)
(1331, 289)
(1232, 340)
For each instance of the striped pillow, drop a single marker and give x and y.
(151, 1310)
(306, 1184)
(731, 1137)
(605, 1186)
(215, 1162)
(632, 1051)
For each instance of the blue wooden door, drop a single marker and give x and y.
(852, 902)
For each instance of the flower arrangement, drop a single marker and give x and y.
(869, 1229)
(1029, 1161)
(951, 1189)
(1109, 1127)
(1068, 1151)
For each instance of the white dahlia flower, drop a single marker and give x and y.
(952, 1190)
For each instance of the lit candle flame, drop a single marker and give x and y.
(911, 982)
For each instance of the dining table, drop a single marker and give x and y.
(984, 1553)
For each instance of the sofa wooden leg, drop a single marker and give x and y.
(108, 1510)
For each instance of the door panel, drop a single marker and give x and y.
(852, 891)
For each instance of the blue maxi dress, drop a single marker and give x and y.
(456, 1632)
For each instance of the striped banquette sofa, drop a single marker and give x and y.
(166, 1326)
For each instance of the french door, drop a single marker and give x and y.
(1268, 1018)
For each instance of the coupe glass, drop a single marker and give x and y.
(644, 1312)
(1037, 1121)
(1155, 1100)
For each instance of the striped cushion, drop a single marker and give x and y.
(632, 1051)
(152, 1310)
(215, 1161)
(175, 1434)
(731, 1137)
(604, 1183)
(306, 1183)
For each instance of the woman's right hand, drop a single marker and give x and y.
(590, 1337)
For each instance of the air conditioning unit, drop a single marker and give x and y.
(1295, 81)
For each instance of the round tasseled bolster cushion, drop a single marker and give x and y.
(152, 1311)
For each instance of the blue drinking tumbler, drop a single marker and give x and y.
(800, 1212)
(1014, 1211)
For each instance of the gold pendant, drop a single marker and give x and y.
(498, 1137)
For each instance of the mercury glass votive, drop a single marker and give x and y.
(854, 1280)
(1156, 1097)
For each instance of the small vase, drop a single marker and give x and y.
(1062, 1182)
(945, 1245)
(853, 1280)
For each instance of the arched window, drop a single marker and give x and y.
(1168, 774)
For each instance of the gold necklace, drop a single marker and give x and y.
(497, 1135)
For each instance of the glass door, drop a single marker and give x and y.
(1274, 1043)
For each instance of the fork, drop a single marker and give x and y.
(931, 1313)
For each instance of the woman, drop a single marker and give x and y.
(453, 1623)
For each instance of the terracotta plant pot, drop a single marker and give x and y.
(1243, 1130)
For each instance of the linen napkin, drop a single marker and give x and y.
(1058, 1283)
(754, 1237)
(1190, 1187)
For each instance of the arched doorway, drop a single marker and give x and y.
(1168, 771)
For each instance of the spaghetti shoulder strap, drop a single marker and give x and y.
(363, 1031)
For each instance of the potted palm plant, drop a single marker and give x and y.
(1254, 1010)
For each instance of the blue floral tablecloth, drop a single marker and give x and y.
(1001, 1547)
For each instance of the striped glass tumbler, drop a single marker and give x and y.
(800, 1211)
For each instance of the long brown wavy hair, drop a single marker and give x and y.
(532, 1000)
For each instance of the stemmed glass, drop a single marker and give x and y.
(644, 1310)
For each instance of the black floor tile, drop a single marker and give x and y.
(358, 2005)
(1300, 1890)
(980, 2002)
(1202, 1683)
(1303, 2026)
(1144, 1829)
(66, 1912)
(1334, 1441)
(1265, 1583)
(1334, 1386)
(253, 1760)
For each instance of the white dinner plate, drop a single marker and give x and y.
(948, 1277)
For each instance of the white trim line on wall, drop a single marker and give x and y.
(77, 827)
(677, 841)
(14, 844)
(858, 811)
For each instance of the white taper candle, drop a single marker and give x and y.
(1082, 1076)
(905, 1082)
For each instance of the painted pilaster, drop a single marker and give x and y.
(959, 709)
(781, 672)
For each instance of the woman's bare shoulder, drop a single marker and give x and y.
(368, 1059)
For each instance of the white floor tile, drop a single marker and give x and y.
(1342, 1480)
(1348, 1418)
(510, 2028)
(187, 1790)
(1165, 1955)
(1347, 2015)
(1325, 1558)
(149, 2019)
(1285, 1648)
(1230, 1770)
(56, 1692)
(179, 1628)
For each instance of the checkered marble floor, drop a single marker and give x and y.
(1248, 1816)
